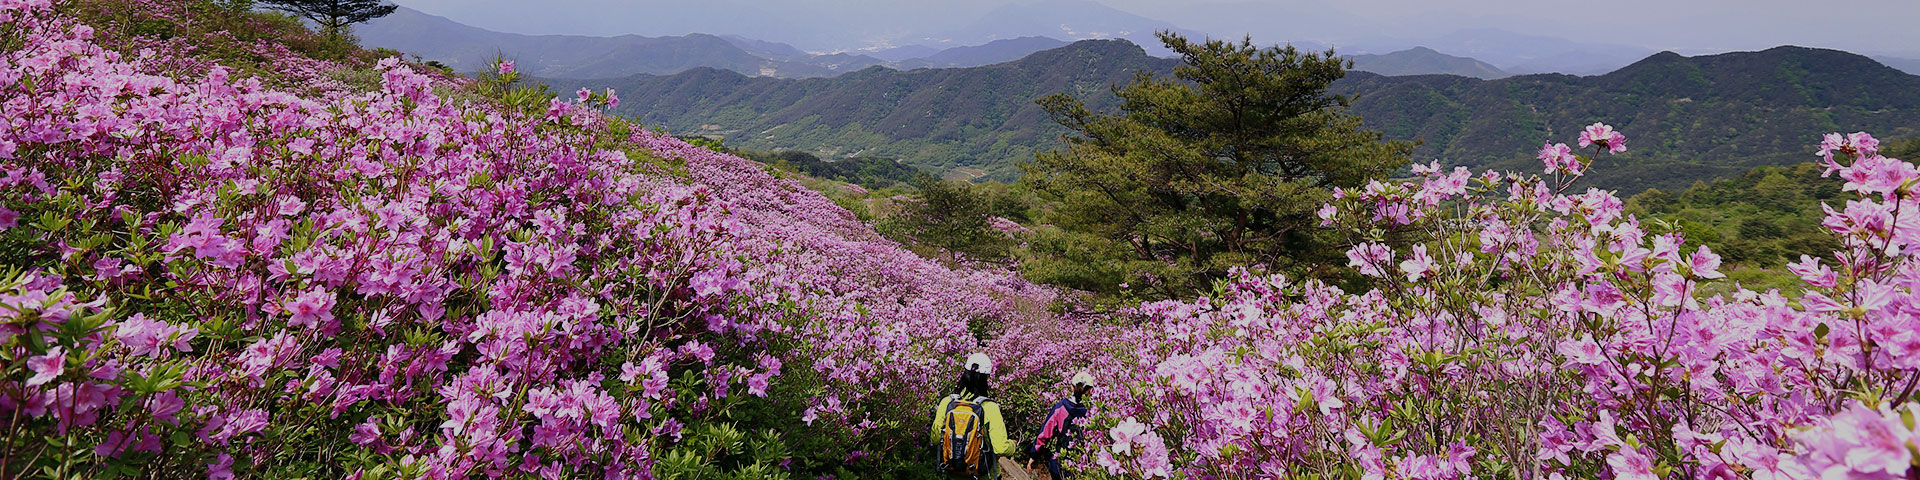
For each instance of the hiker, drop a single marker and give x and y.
(1062, 429)
(965, 422)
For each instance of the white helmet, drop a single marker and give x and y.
(1082, 379)
(979, 362)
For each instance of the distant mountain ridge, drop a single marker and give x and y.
(997, 51)
(1069, 19)
(1688, 118)
(467, 49)
(1425, 61)
(1518, 53)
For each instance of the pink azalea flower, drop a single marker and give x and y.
(1460, 460)
(165, 405)
(1419, 265)
(629, 372)
(366, 433)
(46, 367)
(1124, 434)
(1706, 264)
(506, 67)
(1370, 257)
(697, 350)
(221, 468)
(1326, 214)
(1583, 351)
(1865, 145)
(148, 337)
(1557, 157)
(311, 309)
(1863, 441)
(1830, 144)
(1630, 464)
(757, 385)
(1670, 289)
(1603, 135)
(240, 424)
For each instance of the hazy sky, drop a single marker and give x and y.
(1688, 26)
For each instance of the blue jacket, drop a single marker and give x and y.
(1062, 427)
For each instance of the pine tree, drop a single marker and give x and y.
(1221, 165)
(948, 214)
(333, 16)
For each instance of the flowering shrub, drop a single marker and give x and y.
(211, 274)
(1531, 332)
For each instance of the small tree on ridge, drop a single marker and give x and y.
(333, 16)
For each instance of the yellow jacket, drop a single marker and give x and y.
(996, 427)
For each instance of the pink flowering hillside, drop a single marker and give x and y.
(222, 256)
(261, 265)
(1536, 332)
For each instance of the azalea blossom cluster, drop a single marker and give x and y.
(209, 275)
(1518, 329)
(1009, 227)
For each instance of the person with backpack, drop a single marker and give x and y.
(967, 428)
(1062, 429)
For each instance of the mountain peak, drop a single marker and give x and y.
(1103, 48)
(1811, 77)
(1665, 56)
(1425, 61)
(1066, 19)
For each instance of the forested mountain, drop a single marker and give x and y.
(1519, 53)
(1689, 118)
(961, 121)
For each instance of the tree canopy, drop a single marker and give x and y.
(950, 215)
(333, 16)
(1219, 165)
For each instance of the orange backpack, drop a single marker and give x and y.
(962, 437)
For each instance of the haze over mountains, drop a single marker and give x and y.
(1001, 33)
(959, 100)
(1690, 118)
(467, 49)
(1517, 36)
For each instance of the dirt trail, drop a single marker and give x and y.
(1012, 470)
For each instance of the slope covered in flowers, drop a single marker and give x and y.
(221, 273)
(1537, 332)
(237, 261)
